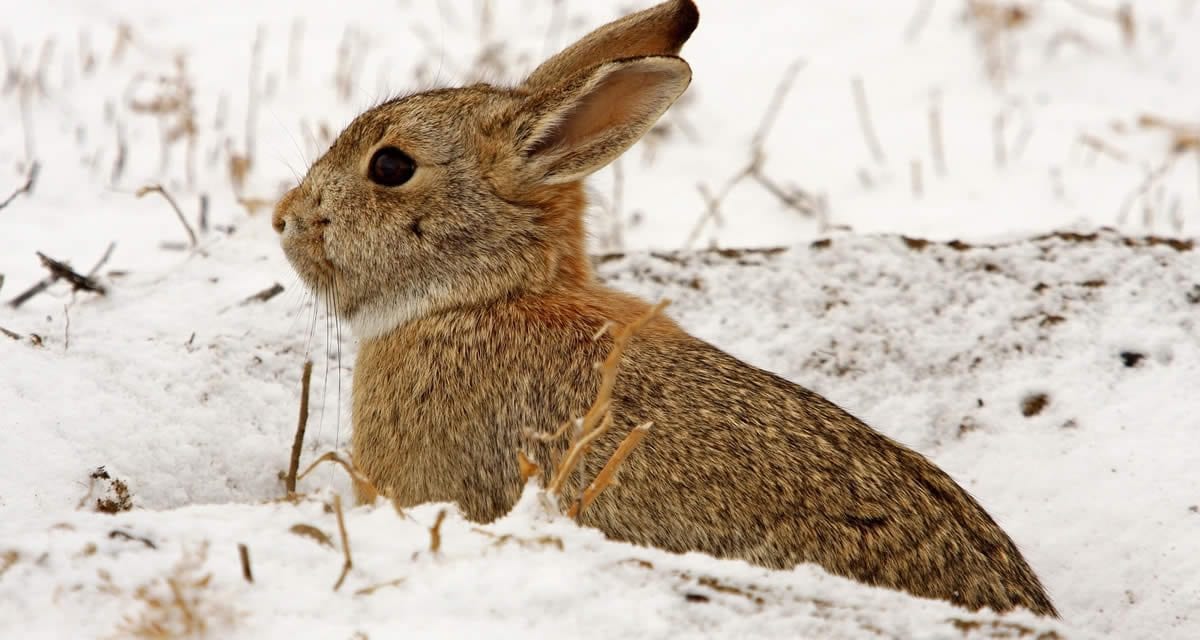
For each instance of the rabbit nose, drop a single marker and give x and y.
(279, 219)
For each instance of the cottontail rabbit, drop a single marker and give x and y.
(447, 228)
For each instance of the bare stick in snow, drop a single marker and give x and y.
(348, 563)
(558, 20)
(45, 283)
(366, 491)
(26, 188)
(781, 91)
(791, 198)
(937, 148)
(157, 188)
(617, 240)
(1152, 178)
(252, 101)
(366, 591)
(265, 294)
(999, 151)
(244, 556)
(295, 42)
(301, 425)
(435, 532)
(62, 271)
(202, 217)
(864, 120)
(1103, 147)
(918, 21)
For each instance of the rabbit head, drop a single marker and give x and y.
(454, 197)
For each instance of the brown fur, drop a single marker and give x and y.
(472, 293)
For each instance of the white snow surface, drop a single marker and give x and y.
(188, 394)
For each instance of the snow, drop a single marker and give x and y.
(188, 394)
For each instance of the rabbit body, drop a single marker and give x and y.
(740, 463)
(447, 228)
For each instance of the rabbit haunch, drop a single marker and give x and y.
(473, 296)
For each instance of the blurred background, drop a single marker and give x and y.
(937, 118)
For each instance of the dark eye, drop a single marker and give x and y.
(391, 167)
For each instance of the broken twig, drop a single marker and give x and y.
(605, 477)
(864, 120)
(117, 534)
(298, 442)
(157, 188)
(45, 283)
(265, 294)
(362, 486)
(435, 532)
(348, 564)
(244, 556)
(26, 188)
(62, 271)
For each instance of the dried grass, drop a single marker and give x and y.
(362, 485)
(348, 561)
(608, 473)
(180, 604)
(244, 559)
(8, 559)
(865, 123)
(595, 423)
(26, 187)
(995, 23)
(158, 188)
(1151, 191)
(173, 103)
(792, 197)
(86, 280)
(435, 532)
(115, 498)
(301, 424)
(313, 533)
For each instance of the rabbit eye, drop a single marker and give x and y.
(391, 167)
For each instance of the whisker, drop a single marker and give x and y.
(295, 173)
(325, 378)
(337, 319)
(295, 145)
(296, 297)
(312, 327)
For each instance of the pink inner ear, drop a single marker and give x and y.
(619, 99)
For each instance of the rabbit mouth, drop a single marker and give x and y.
(311, 262)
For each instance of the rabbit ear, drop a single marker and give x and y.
(660, 30)
(584, 125)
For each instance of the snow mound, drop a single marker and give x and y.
(1052, 377)
(526, 575)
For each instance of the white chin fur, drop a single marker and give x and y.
(381, 318)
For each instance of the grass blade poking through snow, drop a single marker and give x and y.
(366, 490)
(604, 478)
(598, 420)
(298, 442)
(158, 188)
(341, 522)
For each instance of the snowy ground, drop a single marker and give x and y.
(187, 395)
